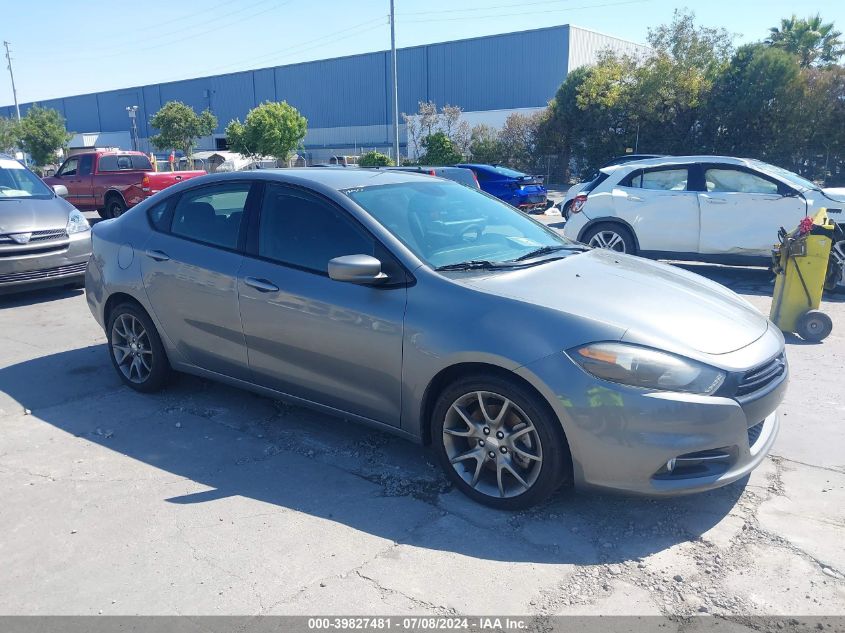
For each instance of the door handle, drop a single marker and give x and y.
(715, 200)
(262, 285)
(158, 256)
(634, 198)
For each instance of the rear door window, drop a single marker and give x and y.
(737, 181)
(211, 215)
(86, 162)
(659, 179)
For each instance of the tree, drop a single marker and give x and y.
(518, 140)
(812, 40)
(374, 159)
(439, 150)
(274, 129)
(484, 145)
(179, 128)
(10, 135)
(43, 134)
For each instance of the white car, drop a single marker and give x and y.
(705, 208)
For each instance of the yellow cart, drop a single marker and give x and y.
(800, 262)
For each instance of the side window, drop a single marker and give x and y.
(211, 214)
(302, 230)
(108, 162)
(158, 216)
(70, 167)
(86, 162)
(737, 181)
(660, 179)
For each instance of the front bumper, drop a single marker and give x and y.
(624, 439)
(47, 265)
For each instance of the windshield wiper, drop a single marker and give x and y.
(472, 265)
(545, 250)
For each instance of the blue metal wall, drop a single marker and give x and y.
(507, 71)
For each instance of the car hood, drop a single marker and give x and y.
(20, 215)
(835, 193)
(652, 303)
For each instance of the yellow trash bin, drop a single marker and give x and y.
(800, 262)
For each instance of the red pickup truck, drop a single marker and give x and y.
(111, 182)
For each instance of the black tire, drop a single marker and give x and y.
(102, 213)
(814, 326)
(611, 233)
(115, 206)
(546, 441)
(159, 367)
(566, 209)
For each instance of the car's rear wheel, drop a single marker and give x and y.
(566, 209)
(115, 206)
(498, 442)
(136, 350)
(611, 236)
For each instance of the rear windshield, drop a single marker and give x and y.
(16, 181)
(595, 182)
(124, 162)
(504, 171)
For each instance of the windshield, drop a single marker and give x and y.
(789, 176)
(504, 171)
(445, 223)
(16, 181)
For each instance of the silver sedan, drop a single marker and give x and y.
(437, 312)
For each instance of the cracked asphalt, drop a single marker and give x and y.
(208, 500)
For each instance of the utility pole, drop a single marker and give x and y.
(14, 90)
(132, 111)
(395, 83)
(12, 75)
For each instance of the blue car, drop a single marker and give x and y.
(522, 191)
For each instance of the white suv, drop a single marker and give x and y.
(706, 208)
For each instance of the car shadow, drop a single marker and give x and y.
(35, 296)
(235, 443)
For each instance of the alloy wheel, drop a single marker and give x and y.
(608, 239)
(131, 348)
(492, 444)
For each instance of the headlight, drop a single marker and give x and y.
(77, 223)
(647, 368)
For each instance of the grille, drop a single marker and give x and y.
(46, 273)
(37, 236)
(762, 376)
(754, 433)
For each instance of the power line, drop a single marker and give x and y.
(486, 8)
(522, 13)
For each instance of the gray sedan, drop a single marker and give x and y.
(44, 240)
(437, 312)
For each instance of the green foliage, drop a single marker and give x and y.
(374, 159)
(485, 146)
(179, 127)
(813, 41)
(42, 132)
(439, 150)
(271, 129)
(10, 135)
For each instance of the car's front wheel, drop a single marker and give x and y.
(136, 350)
(499, 443)
(611, 236)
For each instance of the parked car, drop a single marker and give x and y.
(520, 190)
(458, 174)
(340, 289)
(44, 240)
(565, 205)
(710, 208)
(111, 182)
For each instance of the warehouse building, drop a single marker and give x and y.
(347, 100)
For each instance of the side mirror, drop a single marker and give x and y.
(357, 269)
(60, 190)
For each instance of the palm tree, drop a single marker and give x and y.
(813, 41)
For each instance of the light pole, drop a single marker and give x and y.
(132, 112)
(14, 90)
(395, 84)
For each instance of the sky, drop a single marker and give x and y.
(62, 48)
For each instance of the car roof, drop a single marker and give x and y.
(677, 160)
(337, 179)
